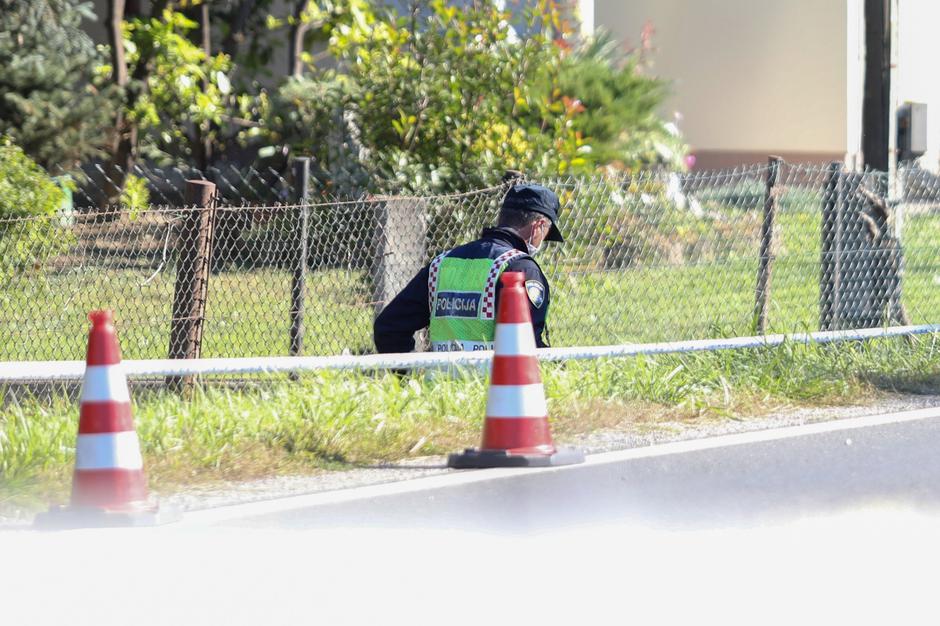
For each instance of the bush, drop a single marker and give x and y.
(618, 107)
(27, 191)
(186, 94)
(676, 237)
(49, 103)
(650, 228)
(442, 100)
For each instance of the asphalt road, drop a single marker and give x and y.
(733, 482)
(826, 523)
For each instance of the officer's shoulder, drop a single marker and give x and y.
(469, 250)
(522, 263)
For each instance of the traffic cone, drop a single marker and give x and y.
(109, 487)
(516, 431)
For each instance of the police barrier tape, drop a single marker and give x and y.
(74, 370)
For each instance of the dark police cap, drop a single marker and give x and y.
(528, 197)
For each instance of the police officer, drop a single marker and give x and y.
(457, 294)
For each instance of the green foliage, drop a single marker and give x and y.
(618, 106)
(136, 195)
(352, 20)
(245, 37)
(186, 92)
(48, 102)
(448, 97)
(305, 117)
(440, 100)
(26, 191)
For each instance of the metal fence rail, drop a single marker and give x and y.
(650, 257)
(74, 370)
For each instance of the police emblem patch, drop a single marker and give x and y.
(536, 292)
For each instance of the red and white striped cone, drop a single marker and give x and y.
(109, 487)
(516, 431)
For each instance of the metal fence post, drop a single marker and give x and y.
(301, 168)
(765, 262)
(192, 277)
(830, 261)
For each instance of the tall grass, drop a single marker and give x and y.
(341, 419)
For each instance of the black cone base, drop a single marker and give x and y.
(476, 458)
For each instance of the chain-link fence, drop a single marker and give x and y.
(104, 186)
(651, 257)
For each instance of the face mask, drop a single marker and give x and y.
(533, 250)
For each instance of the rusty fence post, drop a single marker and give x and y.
(765, 265)
(192, 277)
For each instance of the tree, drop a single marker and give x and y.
(246, 37)
(26, 191)
(175, 93)
(184, 92)
(124, 143)
(441, 98)
(314, 21)
(50, 104)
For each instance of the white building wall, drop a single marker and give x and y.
(749, 77)
(917, 78)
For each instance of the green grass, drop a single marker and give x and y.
(921, 294)
(695, 300)
(247, 314)
(704, 299)
(248, 310)
(341, 419)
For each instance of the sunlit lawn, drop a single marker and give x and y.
(248, 311)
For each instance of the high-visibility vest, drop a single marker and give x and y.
(462, 297)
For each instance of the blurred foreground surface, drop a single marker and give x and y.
(833, 525)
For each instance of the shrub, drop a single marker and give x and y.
(442, 100)
(618, 106)
(136, 195)
(49, 103)
(27, 191)
(650, 228)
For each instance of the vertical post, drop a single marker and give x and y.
(192, 276)
(876, 103)
(765, 264)
(855, 83)
(299, 282)
(896, 176)
(892, 98)
(400, 244)
(829, 262)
